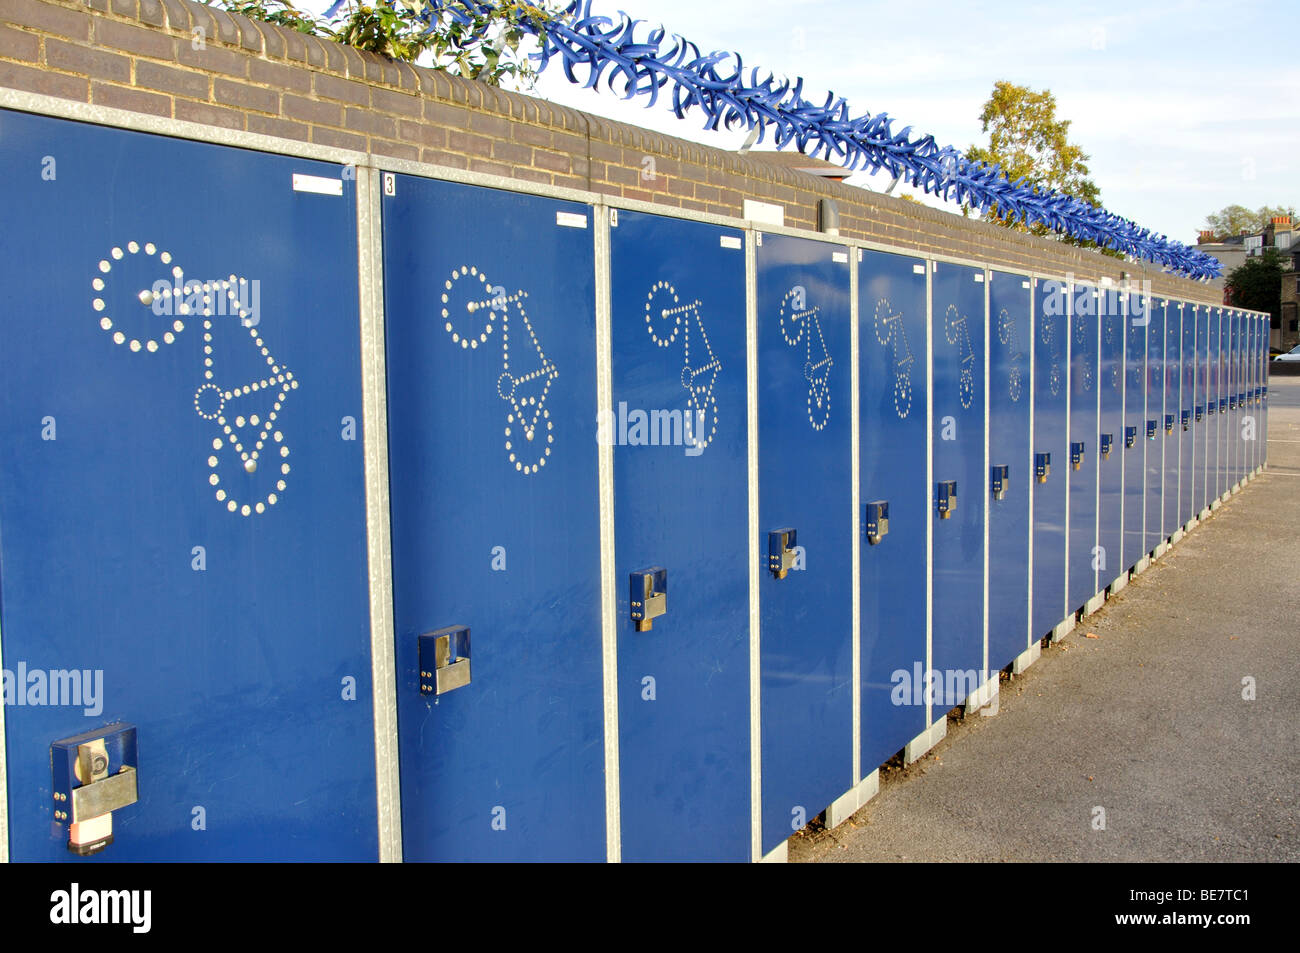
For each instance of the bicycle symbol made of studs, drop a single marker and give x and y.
(797, 323)
(243, 412)
(524, 384)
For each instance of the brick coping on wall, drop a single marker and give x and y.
(139, 55)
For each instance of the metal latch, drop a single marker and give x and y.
(1223, 404)
(1130, 436)
(1106, 441)
(444, 660)
(93, 775)
(1187, 419)
(876, 521)
(1200, 412)
(999, 477)
(1076, 454)
(1169, 423)
(1152, 427)
(1042, 466)
(945, 498)
(780, 551)
(648, 596)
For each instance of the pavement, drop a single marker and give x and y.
(1138, 744)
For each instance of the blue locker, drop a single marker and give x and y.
(1201, 421)
(1082, 470)
(1134, 442)
(678, 339)
(1212, 415)
(1252, 391)
(1011, 465)
(1110, 441)
(1170, 428)
(494, 489)
(1233, 387)
(893, 400)
(1239, 396)
(1222, 483)
(1051, 451)
(1186, 424)
(961, 484)
(1155, 433)
(805, 472)
(1261, 453)
(180, 519)
(1259, 378)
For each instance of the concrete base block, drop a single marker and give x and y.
(1119, 583)
(1204, 514)
(1026, 658)
(1226, 497)
(1063, 628)
(1178, 534)
(852, 801)
(1093, 604)
(1236, 488)
(1162, 547)
(984, 695)
(918, 746)
(780, 854)
(1141, 565)
(1191, 524)
(1215, 504)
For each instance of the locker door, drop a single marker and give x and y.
(1051, 451)
(1135, 443)
(680, 505)
(182, 520)
(494, 497)
(1010, 395)
(1170, 428)
(957, 440)
(1110, 441)
(893, 403)
(1186, 424)
(805, 472)
(1201, 418)
(1212, 436)
(1155, 434)
(1082, 470)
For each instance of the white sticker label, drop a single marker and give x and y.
(570, 219)
(1024, 284)
(841, 256)
(979, 278)
(613, 218)
(918, 269)
(729, 241)
(317, 183)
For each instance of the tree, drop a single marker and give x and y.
(1236, 219)
(1257, 283)
(1028, 141)
(485, 49)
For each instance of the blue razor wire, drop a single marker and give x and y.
(610, 52)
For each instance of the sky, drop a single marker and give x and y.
(1183, 107)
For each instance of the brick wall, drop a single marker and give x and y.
(141, 55)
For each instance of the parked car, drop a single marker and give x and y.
(1291, 355)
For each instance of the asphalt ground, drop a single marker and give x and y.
(1131, 739)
